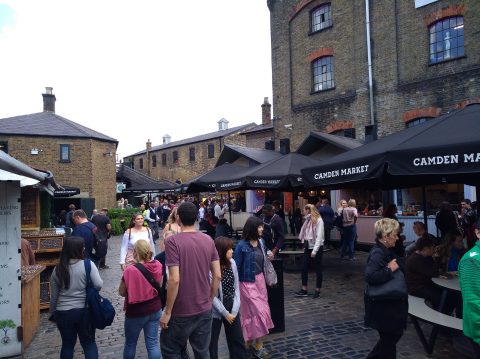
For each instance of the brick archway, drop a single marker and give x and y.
(421, 112)
(338, 125)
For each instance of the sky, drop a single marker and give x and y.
(136, 70)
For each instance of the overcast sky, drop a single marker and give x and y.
(136, 70)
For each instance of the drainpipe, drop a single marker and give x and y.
(369, 56)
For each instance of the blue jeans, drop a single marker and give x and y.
(72, 323)
(348, 245)
(133, 327)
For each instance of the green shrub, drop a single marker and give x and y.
(116, 215)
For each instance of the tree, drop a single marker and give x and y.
(5, 325)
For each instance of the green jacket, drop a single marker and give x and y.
(468, 271)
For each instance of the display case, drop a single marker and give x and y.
(46, 245)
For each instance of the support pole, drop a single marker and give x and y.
(424, 200)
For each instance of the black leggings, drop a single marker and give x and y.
(386, 347)
(234, 335)
(318, 265)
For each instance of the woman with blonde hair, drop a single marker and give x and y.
(171, 227)
(386, 305)
(313, 235)
(142, 301)
(136, 231)
(349, 216)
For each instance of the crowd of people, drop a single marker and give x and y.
(196, 284)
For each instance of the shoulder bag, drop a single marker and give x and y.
(268, 270)
(161, 290)
(101, 309)
(395, 288)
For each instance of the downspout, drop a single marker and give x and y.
(369, 59)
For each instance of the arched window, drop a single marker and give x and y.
(446, 39)
(321, 18)
(418, 121)
(323, 78)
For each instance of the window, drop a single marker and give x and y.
(64, 153)
(4, 146)
(211, 151)
(192, 153)
(323, 74)
(154, 161)
(321, 18)
(446, 39)
(175, 157)
(164, 159)
(140, 164)
(417, 121)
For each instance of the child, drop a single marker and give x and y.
(226, 304)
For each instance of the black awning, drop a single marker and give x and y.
(444, 149)
(67, 191)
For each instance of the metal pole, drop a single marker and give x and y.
(229, 209)
(369, 60)
(424, 199)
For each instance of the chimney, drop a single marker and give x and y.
(266, 112)
(48, 100)
(222, 124)
(149, 145)
(166, 139)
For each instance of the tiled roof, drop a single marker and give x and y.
(231, 153)
(48, 124)
(310, 143)
(200, 138)
(259, 128)
(138, 178)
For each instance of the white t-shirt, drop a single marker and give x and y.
(201, 212)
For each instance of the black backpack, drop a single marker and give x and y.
(268, 234)
(100, 244)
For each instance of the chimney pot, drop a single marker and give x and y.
(266, 112)
(49, 100)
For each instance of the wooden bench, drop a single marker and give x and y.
(417, 309)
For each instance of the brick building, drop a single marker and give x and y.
(77, 156)
(425, 60)
(188, 158)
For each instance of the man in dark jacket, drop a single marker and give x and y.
(85, 229)
(328, 215)
(273, 229)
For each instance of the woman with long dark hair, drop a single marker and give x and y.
(250, 254)
(226, 304)
(67, 299)
(136, 230)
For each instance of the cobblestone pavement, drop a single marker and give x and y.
(328, 327)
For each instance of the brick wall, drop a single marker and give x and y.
(403, 78)
(184, 168)
(88, 169)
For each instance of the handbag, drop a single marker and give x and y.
(395, 288)
(101, 309)
(161, 290)
(268, 270)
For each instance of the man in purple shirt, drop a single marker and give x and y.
(190, 257)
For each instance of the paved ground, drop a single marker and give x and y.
(328, 327)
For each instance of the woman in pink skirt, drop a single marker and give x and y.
(250, 254)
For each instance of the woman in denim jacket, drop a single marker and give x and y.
(250, 255)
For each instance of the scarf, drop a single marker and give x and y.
(308, 228)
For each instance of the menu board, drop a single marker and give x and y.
(30, 207)
(10, 280)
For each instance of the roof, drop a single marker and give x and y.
(138, 178)
(258, 128)
(200, 138)
(311, 143)
(48, 124)
(231, 153)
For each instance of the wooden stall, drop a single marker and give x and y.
(30, 301)
(47, 245)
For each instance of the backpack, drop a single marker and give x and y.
(268, 234)
(100, 244)
(101, 309)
